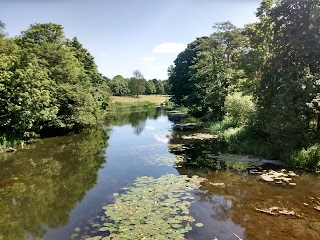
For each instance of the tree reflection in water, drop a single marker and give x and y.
(40, 186)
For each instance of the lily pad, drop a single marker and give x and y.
(152, 209)
(199, 225)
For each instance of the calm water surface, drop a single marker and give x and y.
(51, 188)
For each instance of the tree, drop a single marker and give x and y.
(119, 86)
(289, 77)
(179, 73)
(2, 28)
(137, 83)
(150, 87)
(39, 33)
(48, 83)
(209, 81)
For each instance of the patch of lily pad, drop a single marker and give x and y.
(164, 160)
(152, 209)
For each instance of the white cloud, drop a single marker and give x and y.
(169, 47)
(147, 59)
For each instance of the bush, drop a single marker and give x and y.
(307, 158)
(239, 109)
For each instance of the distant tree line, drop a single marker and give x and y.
(137, 85)
(269, 69)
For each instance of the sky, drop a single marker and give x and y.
(125, 35)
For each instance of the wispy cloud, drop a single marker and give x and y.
(169, 47)
(147, 59)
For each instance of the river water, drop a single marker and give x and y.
(53, 189)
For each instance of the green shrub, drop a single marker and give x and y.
(238, 108)
(307, 158)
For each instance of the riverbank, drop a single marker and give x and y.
(241, 139)
(9, 144)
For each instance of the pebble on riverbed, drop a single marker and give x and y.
(280, 177)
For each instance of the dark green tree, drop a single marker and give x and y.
(289, 77)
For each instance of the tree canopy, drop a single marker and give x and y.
(48, 81)
(274, 61)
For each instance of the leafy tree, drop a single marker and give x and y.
(289, 77)
(137, 83)
(119, 86)
(39, 33)
(48, 81)
(167, 87)
(150, 87)
(2, 27)
(209, 81)
(179, 73)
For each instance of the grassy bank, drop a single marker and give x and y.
(118, 104)
(129, 106)
(242, 140)
(155, 99)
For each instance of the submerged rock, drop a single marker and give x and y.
(280, 177)
(10, 150)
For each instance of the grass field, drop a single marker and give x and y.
(156, 99)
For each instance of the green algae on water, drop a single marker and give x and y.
(152, 209)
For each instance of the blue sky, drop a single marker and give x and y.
(124, 35)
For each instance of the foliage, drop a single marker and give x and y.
(48, 82)
(239, 109)
(150, 87)
(307, 158)
(137, 83)
(268, 73)
(208, 81)
(119, 86)
(289, 76)
(152, 209)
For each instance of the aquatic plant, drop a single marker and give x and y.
(164, 160)
(151, 209)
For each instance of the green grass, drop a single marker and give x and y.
(155, 99)
(7, 142)
(241, 140)
(130, 106)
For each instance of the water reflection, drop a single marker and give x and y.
(136, 119)
(227, 201)
(40, 186)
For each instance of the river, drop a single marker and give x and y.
(55, 189)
